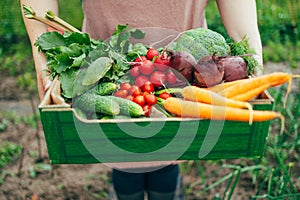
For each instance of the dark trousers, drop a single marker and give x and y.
(159, 184)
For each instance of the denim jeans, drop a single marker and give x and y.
(157, 185)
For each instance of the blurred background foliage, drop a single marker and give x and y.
(279, 24)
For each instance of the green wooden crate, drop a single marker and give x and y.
(71, 140)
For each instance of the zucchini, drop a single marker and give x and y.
(128, 107)
(90, 102)
(106, 88)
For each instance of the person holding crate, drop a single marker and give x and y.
(158, 179)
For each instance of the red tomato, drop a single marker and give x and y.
(165, 95)
(145, 93)
(125, 86)
(151, 53)
(150, 99)
(146, 67)
(134, 71)
(171, 77)
(121, 93)
(139, 99)
(140, 59)
(140, 80)
(129, 97)
(146, 109)
(135, 90)
(148, 87)
(162, 64)
(158, 78)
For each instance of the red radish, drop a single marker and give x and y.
(140, 59)
(151, 53)
(146, 67)
(134, 71)
(171, 78)
(140, 80)
(161, 63)
(158, 78)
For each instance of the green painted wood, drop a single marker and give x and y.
(71, 141)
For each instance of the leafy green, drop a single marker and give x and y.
(97, 70)
(81, 62)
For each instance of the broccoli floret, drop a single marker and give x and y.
(201, 42)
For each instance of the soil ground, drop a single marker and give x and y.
(32, 177)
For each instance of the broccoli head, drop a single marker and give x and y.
(201, 42)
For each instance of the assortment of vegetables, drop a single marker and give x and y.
(199, 74)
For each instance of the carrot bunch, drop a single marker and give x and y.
(247, 89)
(227, 101)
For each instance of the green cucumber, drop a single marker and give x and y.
(115, 117)
(90, 102)
(106, 88)
(128, 107)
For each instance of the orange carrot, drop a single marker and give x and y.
(222, 86)
(273, 79)
(193, 109)
(197, 94)
(251, 94)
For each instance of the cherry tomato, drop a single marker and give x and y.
(140, 80)
(129, 97)
(146, 109)
(139, 99)
(151, 53)
(140, 59)
(121, 93)
(135, 90)
(150, 99)
(145, 93)
(165, 95)
(158, 78)
(125, 86)
(134, 71)
(171, 78)
(161, 64)
(148, 87)
(146, 67)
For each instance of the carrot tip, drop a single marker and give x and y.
(295, 76)
(250, 113)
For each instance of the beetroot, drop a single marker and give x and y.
(184, 63)
(235, 68)
(208, 72)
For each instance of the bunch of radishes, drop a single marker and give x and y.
(154, 67)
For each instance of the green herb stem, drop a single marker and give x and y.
(29, 13)
(50, 15)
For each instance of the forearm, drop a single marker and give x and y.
(34, 30)
(240, 20)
